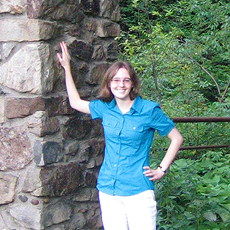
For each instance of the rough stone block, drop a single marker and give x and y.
(36, 9)
(90, 24)
(96, 146)
(42, 125)
(7, 49)
(91, 179)
(83, 194)
(111, 51)
(47, 152)
(98, 53)
(22, 107)
(28, 215)
(58, 105)
(15, 148)
(97, 130)
(33, 73)
(2, 109)
(91, 6)
(56, 212)
(103, 28)
(54, 181)
(72, 148)
(67, 12)
(53, 9)
(96, 73)
(78, 220)
(2, 224)
(110, 9)
(7, 188)
(26, 30)
(79, 71)
(93, 217)
(78, 128)
(106, 28)
(81, 50)
(12, 7)
(86, 194)
(83, 152)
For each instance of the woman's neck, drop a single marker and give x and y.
(124, 105)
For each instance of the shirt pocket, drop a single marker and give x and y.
(111, 128)
(135, 133)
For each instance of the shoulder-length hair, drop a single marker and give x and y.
(105, 93)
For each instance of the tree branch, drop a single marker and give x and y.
(225, 91)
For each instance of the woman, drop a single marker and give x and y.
(125, 180)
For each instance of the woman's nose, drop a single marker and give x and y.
(121, 83)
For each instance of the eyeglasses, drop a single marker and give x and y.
(118, 81)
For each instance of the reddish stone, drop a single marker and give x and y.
(22, 107)
(15, 148)
(34, 201)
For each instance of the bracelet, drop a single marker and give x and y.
(164, 170)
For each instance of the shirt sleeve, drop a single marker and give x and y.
(96, 108)
(160, 122)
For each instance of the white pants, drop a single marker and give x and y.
(135, 212)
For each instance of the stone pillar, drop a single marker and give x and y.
(50, 154)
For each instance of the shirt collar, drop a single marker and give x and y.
(112, 103)
(137, 105)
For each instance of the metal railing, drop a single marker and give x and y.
(201, 119)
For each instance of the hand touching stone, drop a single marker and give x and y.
(64, 58)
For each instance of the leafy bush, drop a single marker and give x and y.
(195, 194)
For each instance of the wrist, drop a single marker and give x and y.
(67, 68)
(163, 169)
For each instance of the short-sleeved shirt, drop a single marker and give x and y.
(128, 138)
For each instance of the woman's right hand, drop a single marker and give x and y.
(64, 58)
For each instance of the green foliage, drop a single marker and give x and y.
(195, 194)
(180, 50)
(178, 45)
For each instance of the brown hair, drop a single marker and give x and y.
(105, 93)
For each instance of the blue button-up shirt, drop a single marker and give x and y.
(128, 138)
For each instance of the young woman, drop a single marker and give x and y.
(125, 180)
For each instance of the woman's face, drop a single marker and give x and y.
(121, 85)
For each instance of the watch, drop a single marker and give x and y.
(163, 169)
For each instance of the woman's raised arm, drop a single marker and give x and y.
(74, 98)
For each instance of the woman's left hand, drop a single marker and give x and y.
(153, 174)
